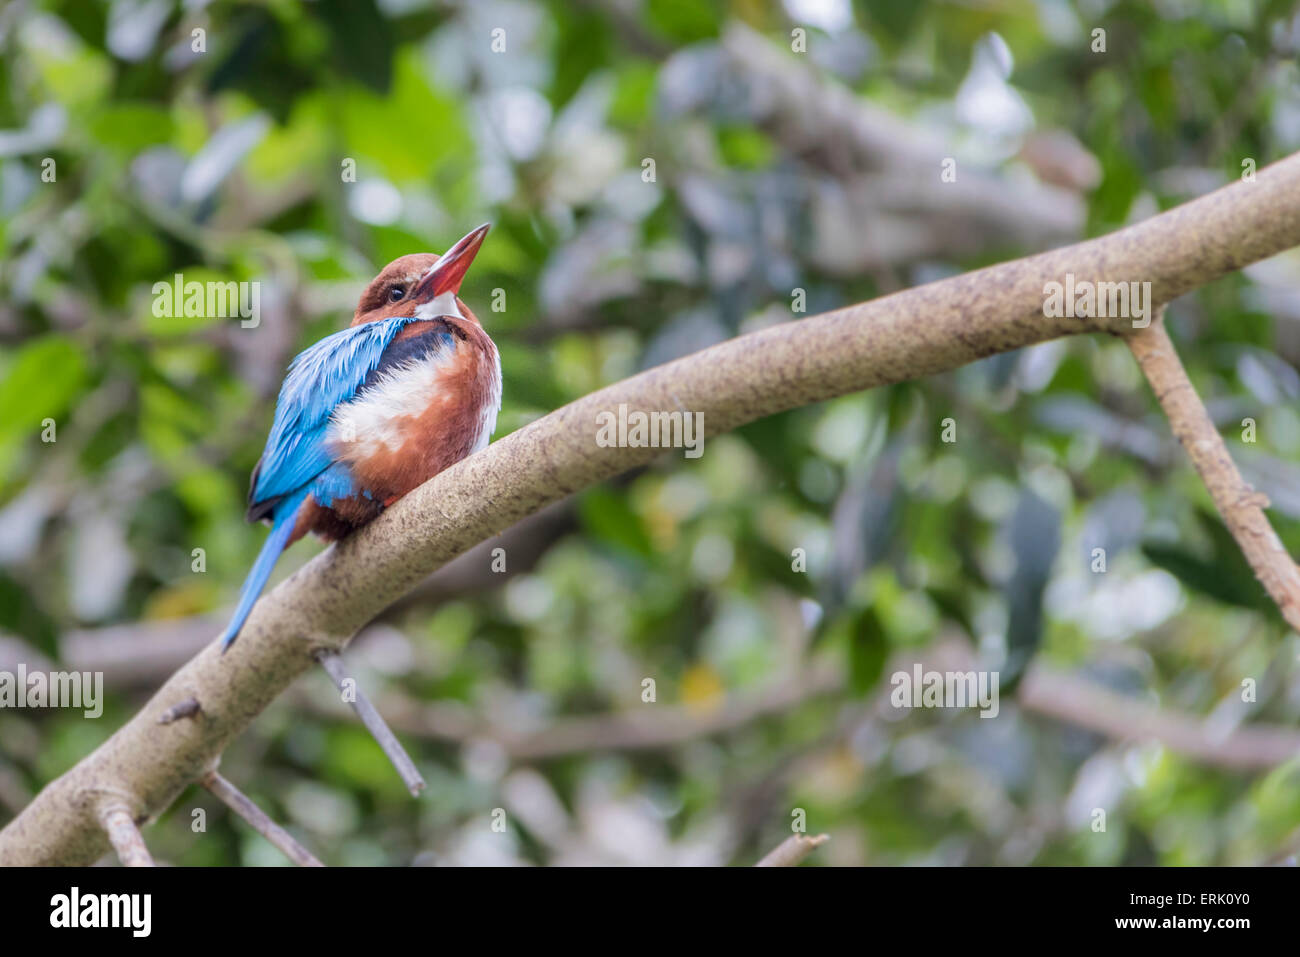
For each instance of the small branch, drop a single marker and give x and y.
(187, 708)
(115, 819)
(1240, 505)
(374, 723)
(1082, 703)
(642, 729)
(141, 654)
(791, 851)
(239, 802)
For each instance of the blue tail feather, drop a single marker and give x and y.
(285, 513)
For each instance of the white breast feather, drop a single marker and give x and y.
(370, 422)
(492, 407)
(372, 419)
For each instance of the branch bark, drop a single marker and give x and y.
(1077, 701)
(907, 335)
(115, 819)
(332, 663)
(792, 851)
(1240, 505)
(259, 821)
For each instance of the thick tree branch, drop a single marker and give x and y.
(910, 334)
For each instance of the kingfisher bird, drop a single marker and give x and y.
(412, 386)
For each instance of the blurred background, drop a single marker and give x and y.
(797, 149)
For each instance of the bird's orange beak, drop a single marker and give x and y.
(447, 274)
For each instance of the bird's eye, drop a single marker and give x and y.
(396, 293)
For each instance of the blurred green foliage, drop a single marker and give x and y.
(128, 155)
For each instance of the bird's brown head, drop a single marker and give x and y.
(421, 284)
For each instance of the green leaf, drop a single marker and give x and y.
(131, 127)
(685, 21)
(1034, 534)
(362, 40)
(39, 384)
(607, 515)
(633, 93)
(584, 44)
(408, 134)
(1223, 575)
(745, 147)
(868, 649)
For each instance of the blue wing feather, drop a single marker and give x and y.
(320, 377)
(296, 462)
